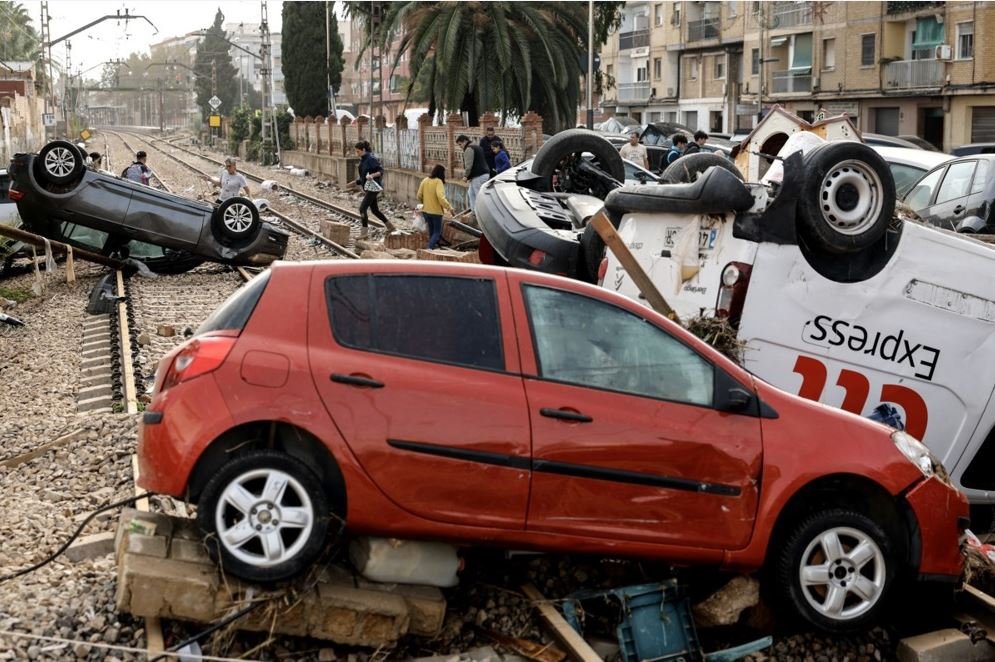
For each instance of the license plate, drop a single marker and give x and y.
(706, 238)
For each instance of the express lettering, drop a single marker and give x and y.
(896, 348)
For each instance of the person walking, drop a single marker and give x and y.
(635, 152)
(700, 138)
(500, 156)
(230, 182)
(371, 181)
(96, 161)
(138, 171)
(678, 143)
(486, 141)
(432, 196)
(476, 170)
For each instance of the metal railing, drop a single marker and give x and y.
(706, 28)
(791, 14)
(790, 82)
(915, 73)
(634, 91)
(635, 39)
(898, 7)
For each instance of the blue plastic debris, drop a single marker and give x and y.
(655, 625)
(888, 415)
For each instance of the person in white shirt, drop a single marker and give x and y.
(231, 181)
(635, 152)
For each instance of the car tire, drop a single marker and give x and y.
(243, 511)
(836, 570)
(847, 199)
(60, 162)
(236, 219)
(688, 168)
(592, 251)
(557, 156)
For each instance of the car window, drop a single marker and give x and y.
(79, 234)
(980, 177)
(905, 176)
(583, 341)
(235, 312)
(435, 318)
(634, 173)
(957, 181)
(922, 192)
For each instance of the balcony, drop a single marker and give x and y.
(706, 28)
(634, 91)
(790, 14)
(907, 7)
(792, 82)
(905, 74)
(635, 39)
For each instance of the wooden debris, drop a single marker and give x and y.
(18, 460)
(530, 649)
(577, 648)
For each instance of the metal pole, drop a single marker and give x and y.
(590, 64)
(266, 72)
(328, 57)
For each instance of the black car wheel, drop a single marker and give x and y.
(689, 168)
(836, 570)
(560, 162)
(847, 198)
(60, 163)
(236, 219)
(173, 262)
(266, 516)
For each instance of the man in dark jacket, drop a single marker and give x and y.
(699, 141)
(475, 168)
(485, 144)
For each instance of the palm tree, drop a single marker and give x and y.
(18, 39)
(507, 56)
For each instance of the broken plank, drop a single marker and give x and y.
(577, 648)
(980, 596)
(607, 232)
(18, 460)
(127, 368)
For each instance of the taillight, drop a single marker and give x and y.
(602, 269)
(199, 357)
(15, 195)
(732, 291)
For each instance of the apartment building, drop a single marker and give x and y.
(894, 67)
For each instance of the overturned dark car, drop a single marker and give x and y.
(58, 197)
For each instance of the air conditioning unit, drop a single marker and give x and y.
(670, 91)
(943, 52)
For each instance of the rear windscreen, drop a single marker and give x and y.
(236, 311)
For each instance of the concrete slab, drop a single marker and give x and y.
(94, 403)
(91, 547)
(942, 646)
(164, 571)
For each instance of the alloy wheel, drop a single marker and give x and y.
(842, 573)
(238, 218)
(60, 161)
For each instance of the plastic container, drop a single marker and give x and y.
(394, 561)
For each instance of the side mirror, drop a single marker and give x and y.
(737, 399)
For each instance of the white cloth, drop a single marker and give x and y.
(231, 185)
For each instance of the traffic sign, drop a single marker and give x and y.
(214, 102)
(48, 119)
(84, 134)
(214, 121)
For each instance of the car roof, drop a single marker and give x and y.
(893, 141)
(917, 158)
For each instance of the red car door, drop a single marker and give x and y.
(626, 442)
(420, 374)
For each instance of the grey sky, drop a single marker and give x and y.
(117, 39)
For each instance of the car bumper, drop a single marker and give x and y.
(518, 234)
(941, 514)
(176, 428)
(269, 246)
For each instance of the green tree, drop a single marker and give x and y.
(305, 68)
(19, 41)
(503, 56)
(216, 75)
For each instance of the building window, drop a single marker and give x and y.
(755, 62)
(965, 40)
(691, 119)
(692, 68)
(395, 83)
(658, 14)
(828, 54)
(675, 17)
(867, 50)
(715, 121)
(657, 68)
(642, 74)
(610, 70)
(719, 72)
(671, 116)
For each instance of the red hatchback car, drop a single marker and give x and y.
(482, 405)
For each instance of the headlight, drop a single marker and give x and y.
(917, 453)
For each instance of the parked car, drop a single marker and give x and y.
(878, 139)
(8, 216)
(59, 197)
(958, 195)
(513, 408)
(973, 148)
(909, 165)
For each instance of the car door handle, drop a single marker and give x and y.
(565, 415)
(959, 209)
(356, 380)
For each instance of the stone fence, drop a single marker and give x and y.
(417, 149)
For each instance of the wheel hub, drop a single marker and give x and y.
(851, 197)
(847, 197)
